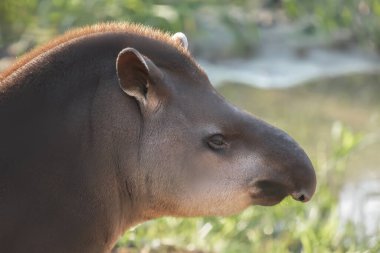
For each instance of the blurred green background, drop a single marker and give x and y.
(336, 119)
(37, 20)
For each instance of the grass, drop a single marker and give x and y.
(332, 119)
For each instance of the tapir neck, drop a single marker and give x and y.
(80, 131)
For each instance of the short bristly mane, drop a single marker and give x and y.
(90, 30)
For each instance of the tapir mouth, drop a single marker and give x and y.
(267, 193)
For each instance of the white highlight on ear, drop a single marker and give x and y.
(139, 56)
(181, 38)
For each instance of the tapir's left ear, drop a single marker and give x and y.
(181, 39)
(137, 74)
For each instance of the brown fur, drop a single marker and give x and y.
(90, 30)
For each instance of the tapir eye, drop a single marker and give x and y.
(217, 142)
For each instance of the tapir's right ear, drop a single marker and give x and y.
(136, 73)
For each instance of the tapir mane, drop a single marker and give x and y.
(133, 29)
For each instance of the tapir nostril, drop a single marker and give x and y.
(300, 197)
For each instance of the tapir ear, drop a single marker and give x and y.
(181, 39)
(136, 73)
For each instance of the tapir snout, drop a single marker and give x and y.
(284, 167)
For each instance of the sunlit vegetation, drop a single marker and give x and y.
(355, 20)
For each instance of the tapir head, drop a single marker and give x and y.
(198, 155)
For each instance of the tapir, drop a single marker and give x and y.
(115, 124)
